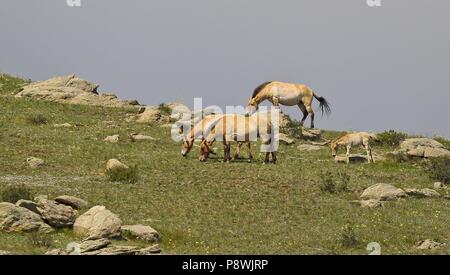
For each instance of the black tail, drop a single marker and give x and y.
(324, 105)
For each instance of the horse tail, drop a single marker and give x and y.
(324, 105)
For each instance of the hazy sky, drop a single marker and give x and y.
(380, 67)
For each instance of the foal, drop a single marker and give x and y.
(354, 139)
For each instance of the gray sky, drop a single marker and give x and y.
(380, 67)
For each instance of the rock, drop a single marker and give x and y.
(71, 90)
(308, 147)
(429, 245)
(56, 252)
(165, 113)
(423, 148)
(30, 205)
(439, 185)
(142, 232)
(422, 193)
(114, 164)
(93, 245)
(97, 223)
(372, 203)
(64, 125)
(35, 163)
(14, 218)
(73, 202)
(311, 133)
(126, 250)
(140, 137)
(112, 139)
(285, 139)
(382, 192)
(40, 197)
(4, 253)
(55, 214)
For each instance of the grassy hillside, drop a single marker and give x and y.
(212, 207)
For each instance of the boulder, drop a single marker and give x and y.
(140, 137)
(72, 90)
(63, 125)
(422, 193)
(112, 139)
(309, 147)
(413, 143)
(126, 250)
(35, 163)
(14, 218)
(382, 192)
(423, 148)
(114, 164)
(285, 139)
(429, 245)
(55, 214)
(439, 186)
(71, 201)
(142, 232)
(40, 197)
(165, 113)
(93, 245)
(30, 205)
(97, 223)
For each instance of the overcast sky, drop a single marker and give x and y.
(380, 67)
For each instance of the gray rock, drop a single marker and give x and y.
(112, 139)
(56, 252)
(382, 192)
(126, 250)
(285, 139)
(309, 147)
(114, 164)
(422, 193)
(140, 137)
(40, 197)
(429, 245)
(73, 202)
(142, 232)
(97, 223)
(439, 186)
(55, 214)
(93, 245)
(371, 203)
(35, 163)
(14, 218)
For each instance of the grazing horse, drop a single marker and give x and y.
(241, 129)
(288, 94)
(202, 128)
(354, 139)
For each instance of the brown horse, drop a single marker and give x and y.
(288, 94)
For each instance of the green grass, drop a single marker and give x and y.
(212, 207)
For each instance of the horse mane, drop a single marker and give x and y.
(260, 88)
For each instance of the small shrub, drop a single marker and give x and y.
(344, 180)
(439, 169)
(129, 175)
(391, 138)
(327, 184)
(13, 193)
(38, 119)
(40, 240)
(292, 128)
(348, 237)
(163, 108)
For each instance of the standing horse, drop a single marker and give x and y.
(354, 139)
(288, 94)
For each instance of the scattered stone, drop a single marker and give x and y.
(112, 139)
(311, 133)
(55, 214)
(35, 163)
(97, 223)
(382, 192)
(126, 250)
(142, 232)
(308, 147)
(30, 205)
(285, 139)
(64, 125)
(429, 245)
(422, 193)
(56, 252)
(422, 147)
(413, 143)
(14, 218)
(140, 137)
(114, 164)
(372, 203)
(357, 158)
(73, 202)
(439, 185)
(92, 245)
(40, 197)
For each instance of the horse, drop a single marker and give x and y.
(241, 129)
(354, 139)
(288, 94)
(201, 128)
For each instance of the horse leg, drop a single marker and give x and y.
(267, 159)
(238, 150)
(369, 152)
(249, 146)
(274, 157)
(348, 153)
(304, 112)
(311, 113)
